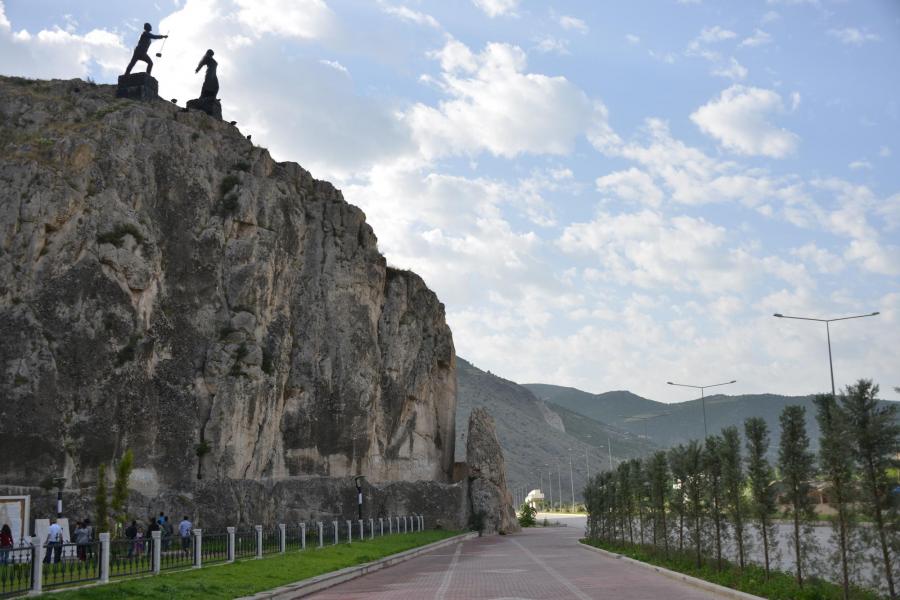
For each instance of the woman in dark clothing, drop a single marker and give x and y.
(211, 82)
(6, 543)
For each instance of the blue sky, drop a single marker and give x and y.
(605, 195)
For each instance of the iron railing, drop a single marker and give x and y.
(68, 564)
(271, 541)
(214, 547)
(130, 557)
(177, 554)
(16, 570)
(244, 543)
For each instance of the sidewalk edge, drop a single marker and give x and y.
(324, 581)
(694, 581)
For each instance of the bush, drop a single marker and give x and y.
(526, 516)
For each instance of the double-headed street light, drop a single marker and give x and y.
(828, 334)
(703, 398)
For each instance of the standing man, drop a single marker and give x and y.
(184, 530)
(54, 542)
(140, 52)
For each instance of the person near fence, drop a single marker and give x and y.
(131, 534)
(82, 539)
(167, 531)
(139, 542)
(6, 543)
(161, 518)
(90, 530)
(153, 526)
(54, 542)
(184, 531)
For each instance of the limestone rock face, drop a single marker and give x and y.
(166, 286)
(489, 499)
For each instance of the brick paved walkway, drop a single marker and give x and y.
(538, 564)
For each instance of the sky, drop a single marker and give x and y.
(605, 195)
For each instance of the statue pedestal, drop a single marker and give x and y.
(137, 86)
(210, 106)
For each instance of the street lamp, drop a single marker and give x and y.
(828, 334)
(572, 480)
(550, 484)
(60, 482)
(359, 494)
(702, 398)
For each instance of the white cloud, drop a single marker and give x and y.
(59, 53)
(795, 101)
(884, 152)
(860, 164)
(551, 44)
(770, 17)
(495, 105)
(496, 8)
(759, 38)
(573, 24)
(305, 19)
(853, 36)
(824, 260)
(404, 13)
(715, 34)
(739, 120)
(733, 70)
(632, 185)
(334, 65)
(632, 39)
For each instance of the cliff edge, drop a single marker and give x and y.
(166, 286)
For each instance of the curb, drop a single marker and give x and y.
(709, 586)
(324, 581)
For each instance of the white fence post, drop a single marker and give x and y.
(362, 531)
(104, 557)
(335, 523)
(349, 532)
(37, 565)
(198, 548)
(381, 525)
(404, 524)
(371, 529)
(303, 536)
(282, 532)
(321, 534)
(259, 541)
(230, 531)
(422, 521)
(156, 541)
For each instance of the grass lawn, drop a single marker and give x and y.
(250, 576)
(780, 586)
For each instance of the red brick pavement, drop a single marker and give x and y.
(537, 564)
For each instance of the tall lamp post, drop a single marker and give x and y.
(572, 480)
(550, 484)
(702, 388)
(60, 482)
(828, 334)
(559, 482)
(359, 493)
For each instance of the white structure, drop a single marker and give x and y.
(533, 497)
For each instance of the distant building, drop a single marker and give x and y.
(534, 497)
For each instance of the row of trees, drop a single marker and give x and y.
(698, 496)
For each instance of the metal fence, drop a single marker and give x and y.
(30, 569)
(16, 571)
(68, 564)
(244, 543)
(130, 557)
(214, 547)
(178, 553)
(271, 541)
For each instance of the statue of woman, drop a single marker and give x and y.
(211, 82)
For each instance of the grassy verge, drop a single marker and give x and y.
(780, 586)
(252, 576)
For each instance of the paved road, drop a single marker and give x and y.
(537, 564)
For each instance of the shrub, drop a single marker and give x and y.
(526, 516)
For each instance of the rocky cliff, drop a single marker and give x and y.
(166, 286)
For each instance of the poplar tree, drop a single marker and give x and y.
(658, 473)
(733, 486)
(119, 501)
(712, 469)
(694, 488)
(796, 464)
(759, 472)
(678, 502)
(625, 499)
(639, 491)
(836, 464)
(875, 437)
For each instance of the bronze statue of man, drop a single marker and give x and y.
(211, 82)
(140, 52)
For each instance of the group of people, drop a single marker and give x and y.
(139, 533)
